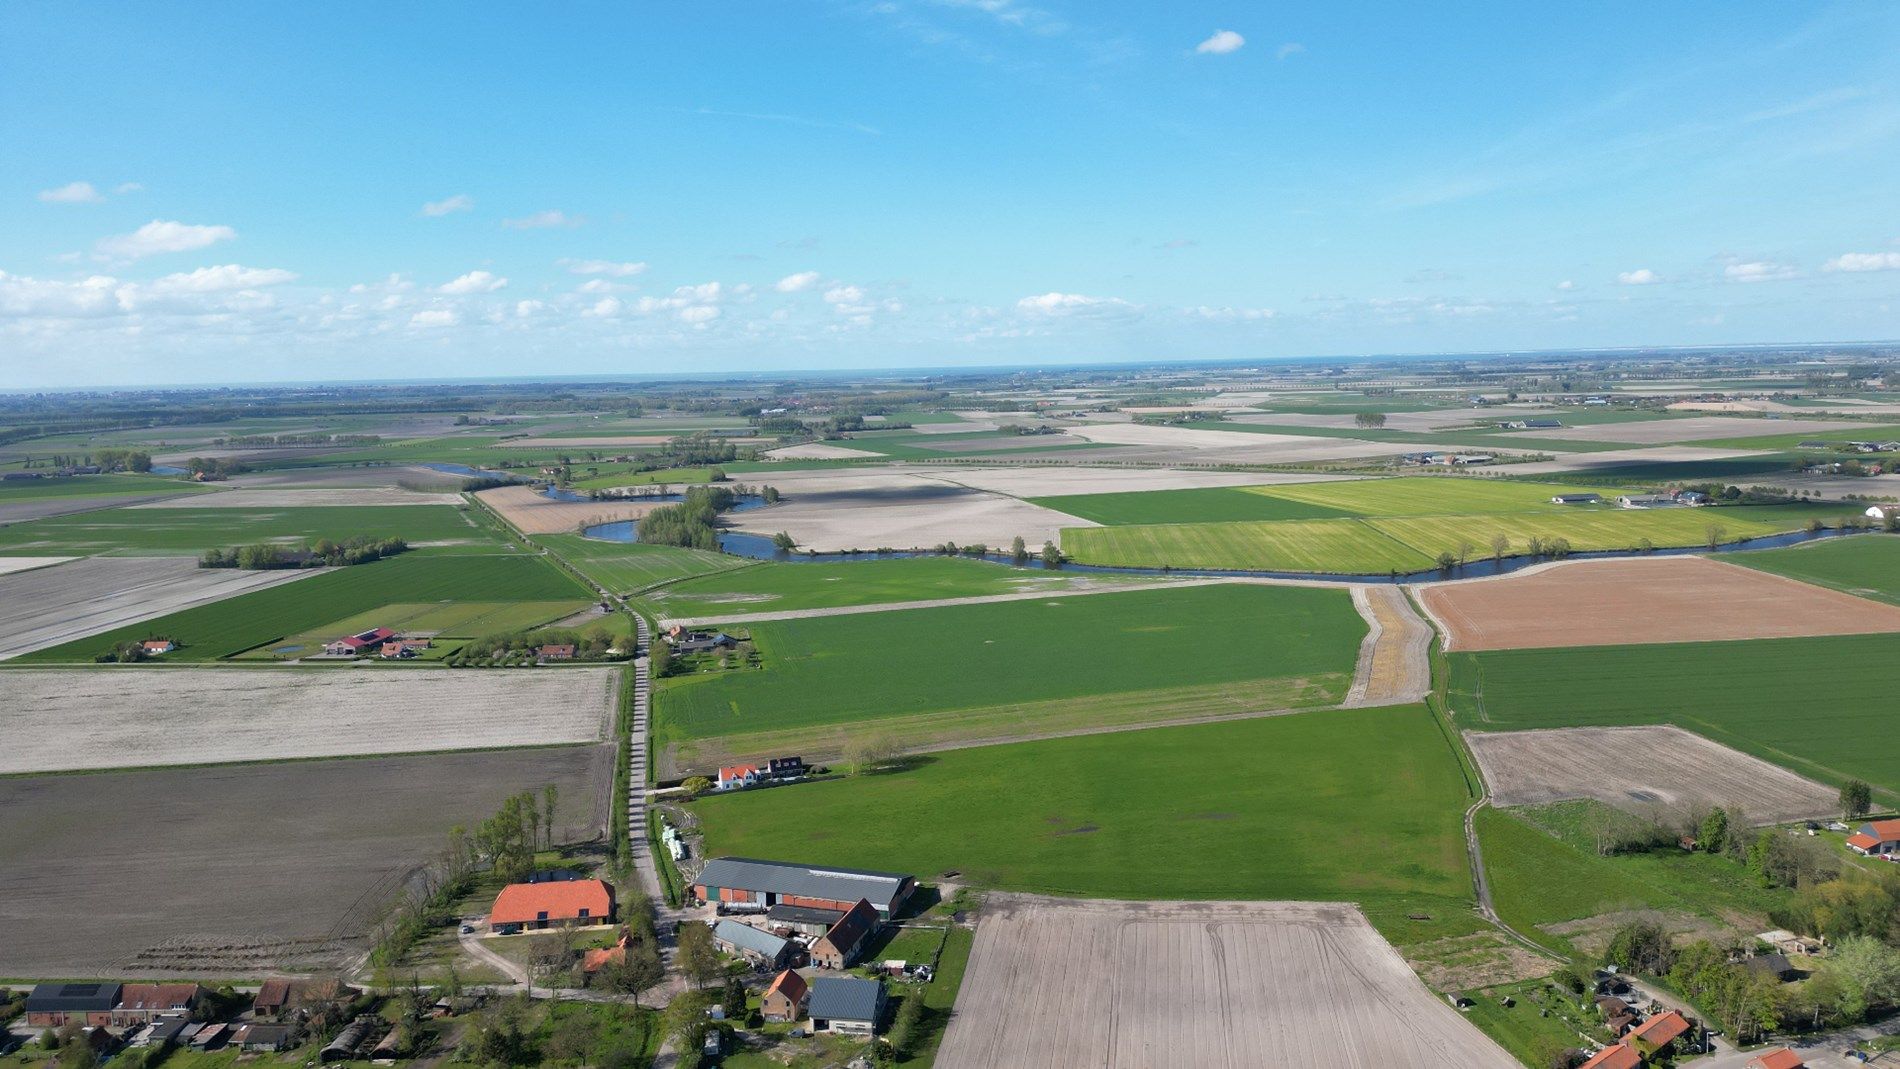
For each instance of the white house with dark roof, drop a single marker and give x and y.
(846, 1004)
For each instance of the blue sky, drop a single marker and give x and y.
(268, 191)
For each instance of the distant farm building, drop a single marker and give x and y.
(756, 946)
(560, 651)
(141, 1003)
(1647, 501)
(1577, 499)
(1775, 965)
(771, 883)
(1660, 1031)
(152, 647)
(846, 1004)
(552, 904)
(842, 945)
(702, 642)
(599, 958)
(404, 648)
(803, 920)
(361, 642)
(732, 777)
(1877, 838)
(55, 1005)
(1530, 424)
(1883, 512)
(784, 1000)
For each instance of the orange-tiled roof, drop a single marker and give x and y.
(1662, 1028)
(789, 984)
(600, 957)
(1780, 1058)
(1862, 840)
(1620, 1056)
(157, 996)
(1886, 830)
(738, 771)
(523, 903)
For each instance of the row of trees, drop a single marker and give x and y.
(593, 644)
(122, 459)
(323, 553)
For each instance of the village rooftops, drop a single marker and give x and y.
(1662, 1029)
(844, 998)
(1619, 1056)
(789, 984)
(72, 998)
(157, 997)
(553, 902)
(747, 938)
(1779, 1058)
(884, 890)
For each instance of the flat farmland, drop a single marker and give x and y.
(1643, 769)
(791, 587)
(1585, 531)
(1427, 496)
(193, 530)
(248, 869)
(533, 513)
(48, 607)
(1146, 814)
(1868, 566)
(1644, 600)
(1199, 505)
(1808, 704)
(436, 620)
(232, 626)
(624, 567)
(1006, 660)
(83, 719)
(1320, 546)
(280, 497)
(1196, 983)
(1737, 429)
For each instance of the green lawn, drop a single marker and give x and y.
(449, 621)
(869, 666)
(1340, 546)
(229, 627)
(193, 530)
(1426, 496)
(1584, 529)
(1822, 706)
(623, 567)
(1865, 565)
(1328, 805)
(1204, 505)
(787, 586)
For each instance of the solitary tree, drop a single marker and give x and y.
(1369, 419)
(698, 957)
(1499, 544)
(1717, 535)
(784, 542)
(1018, 552)
(1856, 799)
(694, 786)
(1051, 556)
(1465, 549)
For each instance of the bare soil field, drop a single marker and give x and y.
(1609, 460)
(77, 719)
(818, 451)
(1065, 983)
(1007, 445)
(1642, 769)
(1414, 422)
(48, 606)
(42, 508)
(281, 497)
(534, 514)
(1189, 445)
(243, 870)
(1692, 429)
(12, 565)
(1643, 600)
(319, 478)
(1394, 662)
(626, 441)
(901, 513)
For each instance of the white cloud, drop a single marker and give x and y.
(473, 282)
(1221, 43)
(221, 279)
(435, 317)
(705, 291)
(1291, 48)
(1063, 302)
(600, 285)
(72, 193)
(604, 267)
(605, 308)
(1865, 261)
(128, 187)
(1224, 313)
(1642, 276)
(525, 309)
(1566, 285)
(1757, 271)
(803, 280)
(546, 220)
(160, 236)
(461, 202)
(699, 313)
(844, 295)
(21, 296)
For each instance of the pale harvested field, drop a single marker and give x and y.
(902, 514)
(623, 441)
(279, 497)
(246, 870)
(42, 508)
(1607, 461)
(1006, 445)
(1394, 661)
(1062, 983)
(1642, 769)
(10, 565)
(77, 719)
(1414, 422)
(818, 451)
(48, 606)
(1191, 445)
(1692, 429)
(1060, 481)
(1644, 600)
(534, 514)
(326, 478)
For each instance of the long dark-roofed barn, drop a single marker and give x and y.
(772, 883)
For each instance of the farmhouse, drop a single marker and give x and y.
(351, 645)
(1577, 499)
(701, 642)
(152, 647)
(278, 997)
(1660, 1031)
(1779, 1058)
(839, 947)
(1617, 1056)
(599, 958)
(1877, 838)
(403, 648)
(54, 1005)
(784, 999)
(552, 904)
(560, 651)
(770, 883)
(1530, 424)
(758, 947)
(141, 1003)
(733, 777)
(846, 1004)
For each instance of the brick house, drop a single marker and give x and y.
(555, 904)
(840, 947)
(784, 1000)
(141, 1003)
(54, 1005)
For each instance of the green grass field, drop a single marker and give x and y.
(627, 566)
(773, 587)
(1205, 505)
(1585, 530)
(450, 622)
(869, 666)
(193, 530)
(1347, 804)
(1426, 496)
(1865, 565)
(95, 486)
(1821, 706)
(227, 628)
(1340, 546)
(1768, 439)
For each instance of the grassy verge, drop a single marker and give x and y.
(670, 883)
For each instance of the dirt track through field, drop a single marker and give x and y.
(1644, 600)
(1648, 770)
(1395, 660)
(48, 606)
(1119, 985)
(120, 717)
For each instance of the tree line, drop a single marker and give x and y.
(322, 553)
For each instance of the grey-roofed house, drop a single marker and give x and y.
(53, 1005)
(841, 946)
(752, 944)
(770, 883)
(1576, 499)
(846, 1004)
(805, 920)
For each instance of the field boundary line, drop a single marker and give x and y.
(929, 603)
